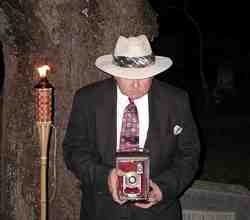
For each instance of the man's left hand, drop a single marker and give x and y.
(155, 196)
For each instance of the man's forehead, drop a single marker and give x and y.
(131, 80)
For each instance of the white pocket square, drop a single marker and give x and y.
(177, 129)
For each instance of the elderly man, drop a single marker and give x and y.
(161, 122)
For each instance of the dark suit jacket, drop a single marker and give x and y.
(90, 143)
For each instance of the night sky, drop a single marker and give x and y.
(226, 18)
(221, 27)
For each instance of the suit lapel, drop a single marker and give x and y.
(158, 120)
(106, 122)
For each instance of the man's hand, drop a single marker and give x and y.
(112, 184)
(155, 196)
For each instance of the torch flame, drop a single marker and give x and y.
(43, 70)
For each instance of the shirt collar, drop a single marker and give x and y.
(123, 99)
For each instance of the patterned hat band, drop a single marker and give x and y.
(134, 62)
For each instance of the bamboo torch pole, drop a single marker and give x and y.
(44, 131)
(44, 96)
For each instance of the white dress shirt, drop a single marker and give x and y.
(143, 114)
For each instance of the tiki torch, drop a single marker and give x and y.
(44, 114)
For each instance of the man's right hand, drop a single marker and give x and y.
(112, 184)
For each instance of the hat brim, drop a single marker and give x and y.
(105, 63)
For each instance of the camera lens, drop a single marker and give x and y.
(132, 179)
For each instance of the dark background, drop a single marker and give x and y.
(201, 36)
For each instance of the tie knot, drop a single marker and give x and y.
(131, 106)
(131, 101)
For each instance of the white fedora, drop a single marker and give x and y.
(133, 59)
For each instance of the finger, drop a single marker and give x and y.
(114, 195)
(152, 200)
(121, 202)
(120, 173)
(118, 199)
(110, 185)
(155, 192)
(112, 180)
(151, 194)
(110, 188)
(152, 184)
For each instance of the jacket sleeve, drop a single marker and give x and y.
(175, 180)
(80, 153)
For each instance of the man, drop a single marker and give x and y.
(166, 129)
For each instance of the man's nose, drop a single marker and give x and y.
(136, 83)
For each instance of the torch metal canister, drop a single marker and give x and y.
(44, 100)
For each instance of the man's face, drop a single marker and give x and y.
(134, 88)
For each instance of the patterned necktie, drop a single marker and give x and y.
(129, 138)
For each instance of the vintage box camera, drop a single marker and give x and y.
(134, 184)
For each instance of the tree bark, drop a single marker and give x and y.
(68, 35)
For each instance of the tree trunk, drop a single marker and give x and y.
(68, 35)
